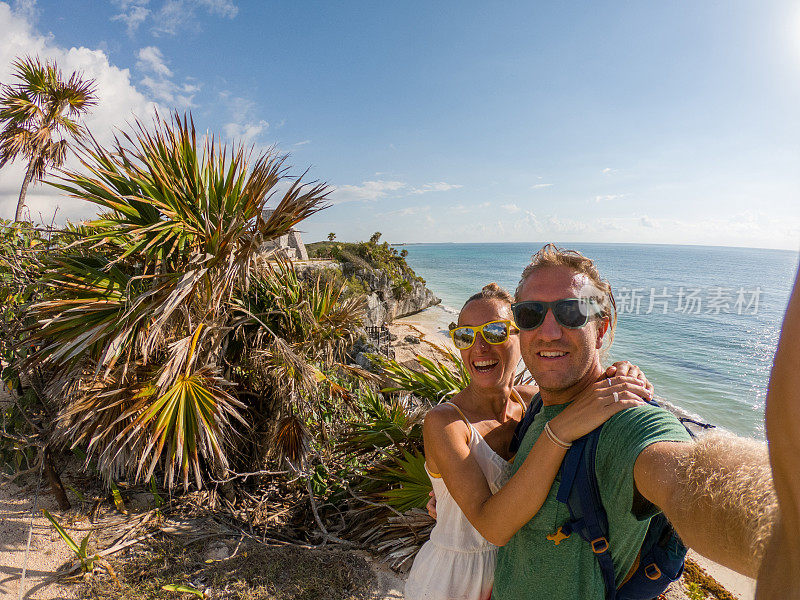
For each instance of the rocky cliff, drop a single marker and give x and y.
(386, 300)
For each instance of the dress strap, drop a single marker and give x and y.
(466, 420)
(469, 426)
(518, 398)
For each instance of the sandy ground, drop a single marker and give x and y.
(426, 327)
(47, 550)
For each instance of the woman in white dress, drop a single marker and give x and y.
(467, 458)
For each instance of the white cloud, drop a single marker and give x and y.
(222, 8)
(303, 143)
(646, 221)
(126, 4)
(133, 18)
(539, 186)
(511, 208)
(118, 102)
(408, 211)
(159, 79)
(367, 191)
(439, 186)
(176, 15)
(26, 9)
(530, 220)
(245, 133)
(151, 59)
(608, 197)
(375, 190)
(176, 95)
(609, 171)
(245, 124)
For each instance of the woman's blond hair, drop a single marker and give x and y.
(491, 291)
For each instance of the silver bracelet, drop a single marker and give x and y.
(554, 438)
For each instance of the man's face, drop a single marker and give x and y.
(556, 356)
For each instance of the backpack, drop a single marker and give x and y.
(661, 557)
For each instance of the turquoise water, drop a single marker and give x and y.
(711, 359)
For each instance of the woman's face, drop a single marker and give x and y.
(490, 365)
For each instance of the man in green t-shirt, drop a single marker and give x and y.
(645, 460)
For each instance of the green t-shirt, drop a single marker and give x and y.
(530, 566)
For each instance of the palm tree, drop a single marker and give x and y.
(38, 114)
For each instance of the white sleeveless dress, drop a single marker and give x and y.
(457, 563)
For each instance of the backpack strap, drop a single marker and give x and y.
(522, 426)
(580, 492)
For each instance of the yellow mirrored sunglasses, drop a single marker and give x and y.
(494, 332)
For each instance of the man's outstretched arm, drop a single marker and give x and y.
(718, 494)
(779, 577)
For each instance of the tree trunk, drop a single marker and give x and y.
(24, 191)
(55, 481)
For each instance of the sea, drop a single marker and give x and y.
(701, 322)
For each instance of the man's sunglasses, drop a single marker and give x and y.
(572, 313)
(494, 332)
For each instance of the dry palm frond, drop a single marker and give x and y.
(292, 440)
(384, 424)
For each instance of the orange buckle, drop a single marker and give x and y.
(652, 571)
(599, 545)
(557, 537)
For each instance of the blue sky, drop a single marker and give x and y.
(467, 121)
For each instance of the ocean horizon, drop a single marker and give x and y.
(702, 321)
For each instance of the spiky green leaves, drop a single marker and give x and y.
(435, 381)
(140, 313)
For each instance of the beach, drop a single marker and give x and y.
(430, 329)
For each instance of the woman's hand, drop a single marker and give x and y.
(431, 505)
(623, 368)
(596, 404)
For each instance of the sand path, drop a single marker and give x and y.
(47, 550)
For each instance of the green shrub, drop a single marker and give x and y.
(370, 255)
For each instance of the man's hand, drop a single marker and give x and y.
(431, 505)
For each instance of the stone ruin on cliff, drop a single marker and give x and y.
(291, 245)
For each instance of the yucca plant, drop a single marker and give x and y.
(434, 380)
(293, 335)
(139, 316)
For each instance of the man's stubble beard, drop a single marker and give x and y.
(580, 370)
(564, 385)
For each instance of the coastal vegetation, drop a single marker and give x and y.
(161, 347)
(370, 255)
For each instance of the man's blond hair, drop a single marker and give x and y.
(552, 256)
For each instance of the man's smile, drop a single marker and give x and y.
(551, 354)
